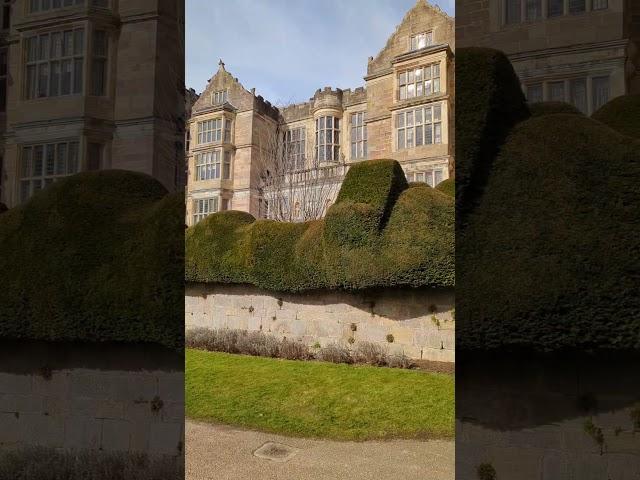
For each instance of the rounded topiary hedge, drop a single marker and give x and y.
(448, 187)
(549, 108)
(95, 257)
(380, 232)
(489, 103)
(622, 114)
(550, 259)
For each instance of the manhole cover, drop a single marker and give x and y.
(277, 452)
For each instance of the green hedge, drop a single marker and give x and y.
(549, 108)
(448, 187)
(622, 114)
(380, 232)
(94, 257)
(489, 102)
(550, 258)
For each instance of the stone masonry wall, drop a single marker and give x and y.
(91, 407)
(420, 321)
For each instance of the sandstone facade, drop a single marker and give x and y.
(404, 112)
(90, 84)
(581, 52)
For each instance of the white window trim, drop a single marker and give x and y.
(401, 121)
(359, 138)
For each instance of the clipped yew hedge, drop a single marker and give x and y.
(380, 232)
(448, 187)
(95, 257)
(550, 259)
(622, 114)
(489, 103)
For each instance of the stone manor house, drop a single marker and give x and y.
(88, 85)
(404, 112)
(583, 52)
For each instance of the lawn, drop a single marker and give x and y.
(317, 399)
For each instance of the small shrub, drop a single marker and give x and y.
(354, 327)
(257, 343)
(293, 350)
(316, 345)
(48, 464)
(370, 353)
(486, 471)
(335, 353)
(351, 340)
(435, 321)
(400, 361)
(390, 338)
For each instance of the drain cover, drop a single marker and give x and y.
(276, 452)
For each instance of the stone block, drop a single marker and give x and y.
(166, 438)
(172, 412)
(171, 386)
(57, 386)
(15, 384)
(116, 435)
(138, 385)
(82, 432)
(91, 384)
(9, 428)
(42, 430)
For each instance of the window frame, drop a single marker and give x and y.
(213, 134)
(323, 132)
(294, 143)
(414, 44)
(410, 78)
(358, 135)
(199, 210)
(71, 163)
(409, 126)
(66, 54)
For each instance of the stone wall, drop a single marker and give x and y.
(87, 397)
(419, 322)
(529, 417)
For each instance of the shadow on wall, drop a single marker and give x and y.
(392, 303)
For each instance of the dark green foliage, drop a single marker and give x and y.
(551, 256)
(354, 247)
(94, 257)
(448, 187)
(622, 114)
(490, 102)
(549, 108)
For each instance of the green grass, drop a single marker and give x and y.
(317, 399)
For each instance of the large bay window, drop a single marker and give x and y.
(203, 207)
(328, 139)
(54, 64)
(42, 164)
(211, 131)
(213, 165)
(419, 126)
(419, 81)
(358, 135)
(295, 147)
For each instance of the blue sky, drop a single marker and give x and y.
(287, 49)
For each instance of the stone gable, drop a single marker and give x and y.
(421, 18)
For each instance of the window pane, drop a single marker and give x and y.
(400, 138)
(577, 6)
(56, 45)
(419, 133)
(72, 165)
(555, 7)
(26, 162)
(43, 79)
(437, 133)
(579, 94)
(61, 159)
(77, 76)
(43, 47)
(38, 155)
(534, 93)
(600, 92)
(556, 91)
(600, 4)
(67, 43)
(50, 159)
(98, 76)
(78, 42)
(533, 9)
(55, 79)
(513, 11)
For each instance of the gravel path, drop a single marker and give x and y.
(217, 452)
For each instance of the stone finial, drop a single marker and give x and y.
(221, 64)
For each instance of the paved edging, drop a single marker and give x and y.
(219, 452)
